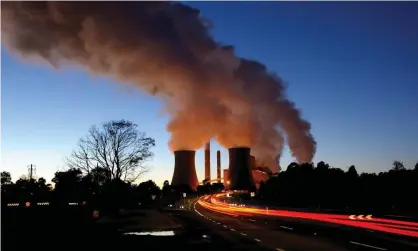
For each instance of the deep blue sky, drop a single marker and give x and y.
(351, 67)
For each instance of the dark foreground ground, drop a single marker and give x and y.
(74, 229)
(45, 228)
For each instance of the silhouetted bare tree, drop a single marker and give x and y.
(116, 146)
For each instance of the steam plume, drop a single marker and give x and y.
(166, 50)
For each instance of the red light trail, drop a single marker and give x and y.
(213, 203)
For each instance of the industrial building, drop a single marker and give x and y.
(244, 173)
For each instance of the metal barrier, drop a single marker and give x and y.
(46, 203)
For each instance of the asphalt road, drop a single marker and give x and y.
(294, 234)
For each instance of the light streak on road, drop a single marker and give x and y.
(213, 203)
(365, 245)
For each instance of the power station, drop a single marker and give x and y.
(244, 172)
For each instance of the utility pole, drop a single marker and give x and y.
(31, 171)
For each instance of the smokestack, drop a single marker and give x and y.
(240, 174)
(218, 165)
(184, 169)
(207, 161)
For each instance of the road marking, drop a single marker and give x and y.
(225, 226)
(232, 229)
(218, 223)
(279, 249)
(286, 227)
(251, 220)
(257, 240)
(365, 245)
(196, 209)
(243, 234)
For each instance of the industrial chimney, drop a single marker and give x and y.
(240, 175)
(207, 161)
(218, 165)
(184, 169)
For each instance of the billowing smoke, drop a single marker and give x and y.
(166, 50)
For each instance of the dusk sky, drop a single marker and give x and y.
(351, 67)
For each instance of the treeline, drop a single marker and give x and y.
(93, 188)
(324, 187)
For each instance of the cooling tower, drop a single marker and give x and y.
(207, 161)
(184, 169)
(218, 165)
(251, 159)
(239, 174)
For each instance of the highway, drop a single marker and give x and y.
(286, 230)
